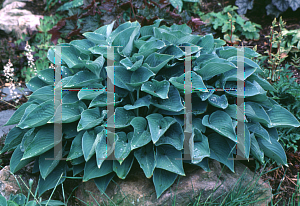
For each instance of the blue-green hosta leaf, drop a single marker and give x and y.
(168, 158)
(105, 30)
(122, 27)
(132, 63)
(183, 28)
(248, 63)
(125, 39)
(192, 39)
(244, 141)
(212, 69)
(236, 112)
(77, 169)
(35, 83)
(173, 136)
(162, 180)
(262, 82)
(207, 44)
(82, 79)
(146, 158)
(148, 30)
(281, 117)
(273, 150)
(92, 171)
(102, 147)
(78, 161)
(256, 112)
(89, 143)
(96, 38)
(27, 139)
(101, 100)
(172, 103)
(70, 130)
(123, 169)
(198, 145)
(45, 93)
(218, 101)
(102, 50)
(165, 35)
(196, 80)
(76, 147)
(91, 118)
(122, 77)
(204, 164)
(156, 88)
(87, 94)
(141, 135)
(46, 75)
(47, 166)
(255, 149)
(249, 90)
(96, 65)
(140, 76)
(83, 45)
(123, 146)
(227, 52)
(205, 94)
(122, 117)
(158, 125)
(102, 182)
(17, 116)
(16, 161)
(43, 141)
(220, 122)
(70, 112)
(141, 102)
(156, 61)
(197, 124)
(172, 50)
(273, 133)
(56, 177)
(37, 115)
(13, 139)
(70, 55)
(221, 149)
(198, 107)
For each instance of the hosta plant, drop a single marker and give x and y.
(149, 79)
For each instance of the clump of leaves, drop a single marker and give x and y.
(232, 25)
(149, 104)
(273, 7)
(287, 94)
(86, 16)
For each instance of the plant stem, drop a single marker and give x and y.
(8, 103)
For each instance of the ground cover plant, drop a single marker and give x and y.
(149, 108)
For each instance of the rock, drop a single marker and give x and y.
(5, 116)
(7, 2)
(8, 96)
(9, 184)
(14, 19)
(140, 191)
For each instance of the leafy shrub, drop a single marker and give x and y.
(287, 94)
(274, 7)
(86, 16)
(232, 25)
(149, 108)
